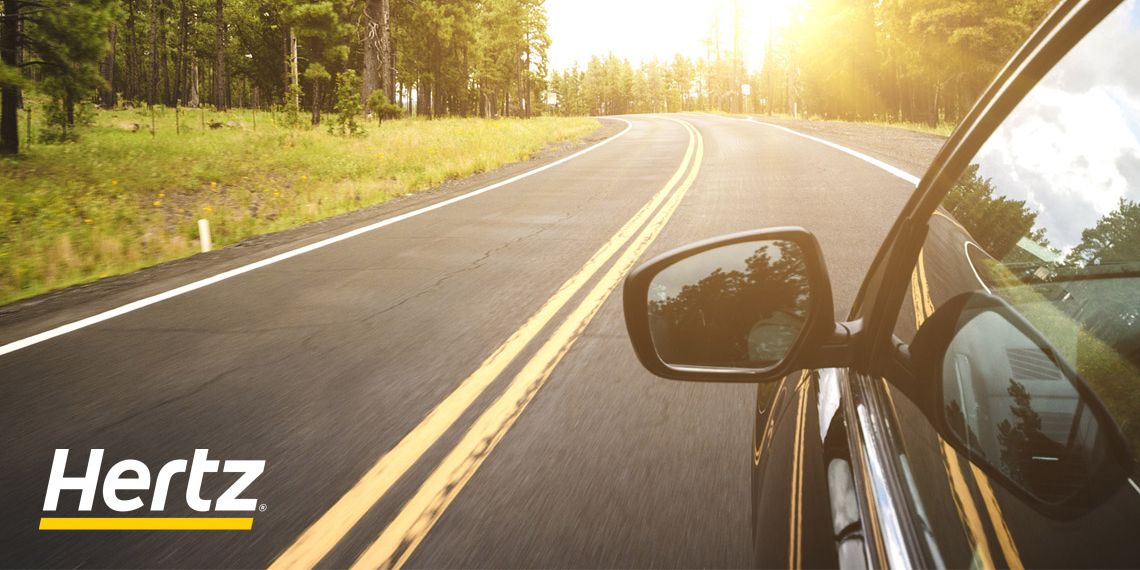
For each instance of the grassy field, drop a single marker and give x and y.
(119, 199)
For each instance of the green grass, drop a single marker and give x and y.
(117, 200)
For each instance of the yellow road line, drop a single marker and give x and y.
(967, 508)
(794, 539)
(1001, 529)
(401, 537)
(147, 523)
(324, 534)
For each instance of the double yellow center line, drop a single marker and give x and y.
(795, 530)
(399, 539)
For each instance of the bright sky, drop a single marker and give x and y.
(641, 29)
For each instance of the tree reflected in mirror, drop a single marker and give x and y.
(740, 305)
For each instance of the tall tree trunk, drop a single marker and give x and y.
(387, 82)
(193, 98)
(526, 81)
(436, 72)
(167, 95)
(132, 91)
(391, 90)
(180, 58)
(316, 119)
(108, 94)
(294, 74)
(152, 77)
(932, 118)
(69, 107)
(377, 51)
(10, 94)
(220, 80)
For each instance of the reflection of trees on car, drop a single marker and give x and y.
(705, 320)
(1115, 239)
(996, 224)
(1043, 466)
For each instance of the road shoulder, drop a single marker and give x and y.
(36, 314)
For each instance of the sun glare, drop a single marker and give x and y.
(641, 30)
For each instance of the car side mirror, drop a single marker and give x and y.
(738, 308)
(999, 392)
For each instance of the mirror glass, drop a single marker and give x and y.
(1016, 407)
(735, 306)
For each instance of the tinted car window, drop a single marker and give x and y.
(1047, 218)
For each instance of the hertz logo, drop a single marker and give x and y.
(126, 481)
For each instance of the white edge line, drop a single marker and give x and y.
(897, 172)
(147, 301)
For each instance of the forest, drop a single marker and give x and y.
(459, 57)
(922, 61)
(917, 61)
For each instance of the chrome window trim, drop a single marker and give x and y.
(884, 504)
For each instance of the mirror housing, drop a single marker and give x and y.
(993, 386)
(797, 337)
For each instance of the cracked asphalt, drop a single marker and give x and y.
(321, 363)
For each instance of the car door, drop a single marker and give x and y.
(1020, 254)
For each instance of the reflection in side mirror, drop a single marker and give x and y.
(735, 308)
(741, 305)
(1008, 401)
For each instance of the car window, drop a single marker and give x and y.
(1046, 218)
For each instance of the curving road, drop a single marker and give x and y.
(452, 389)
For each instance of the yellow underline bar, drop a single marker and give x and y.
(147, 523)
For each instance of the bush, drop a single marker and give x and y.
(56, 129)
(291, 113)
(348, 106)
(382, 108)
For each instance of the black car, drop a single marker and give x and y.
(980, 405)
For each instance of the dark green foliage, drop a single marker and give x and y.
(317, 76)
(995, 223)
(56, 127)
(291, 111)
(1115, 238)
(382, 108)
(347, 107)
(64, 40)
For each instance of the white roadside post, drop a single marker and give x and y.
(204, 235)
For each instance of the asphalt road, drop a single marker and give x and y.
(322, 363)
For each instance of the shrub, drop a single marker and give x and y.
(348, 106)
(382, 108)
